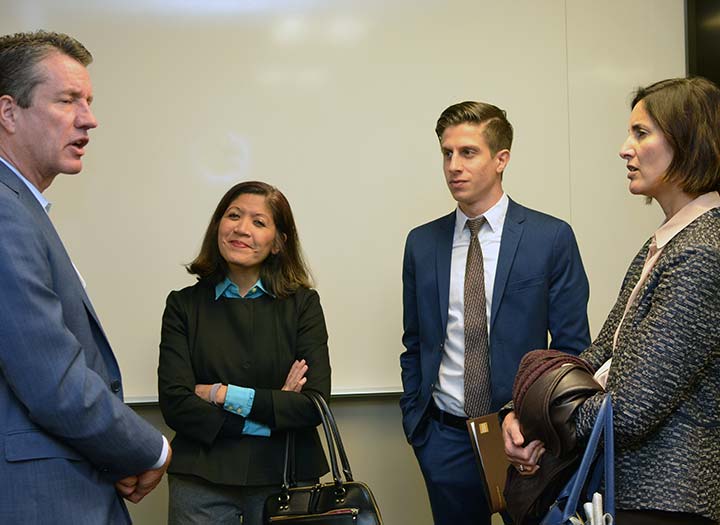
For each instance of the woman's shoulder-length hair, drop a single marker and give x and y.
(281, 273)
(687, 111)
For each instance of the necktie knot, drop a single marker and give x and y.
(475, 224)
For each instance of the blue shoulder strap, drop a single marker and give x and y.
(599, 462)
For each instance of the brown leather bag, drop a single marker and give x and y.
(549, 404)
(549, 387)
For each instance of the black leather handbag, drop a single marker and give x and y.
(339, 502)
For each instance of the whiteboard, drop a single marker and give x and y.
(335, 102)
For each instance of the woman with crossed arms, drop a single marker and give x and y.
(237, 350)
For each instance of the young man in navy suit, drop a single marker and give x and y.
(70, 449)
(534, 284)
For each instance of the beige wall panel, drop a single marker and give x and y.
(613, 47)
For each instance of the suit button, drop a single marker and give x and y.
(246, 365)
(115, 386)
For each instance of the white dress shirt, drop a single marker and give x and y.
(449, 393)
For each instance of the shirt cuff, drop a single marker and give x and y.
(163, 455)
(252, 428)
(239, 400)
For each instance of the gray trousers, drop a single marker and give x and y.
(195, 501)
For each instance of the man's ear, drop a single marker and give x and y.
(7, 113)
(502, 158)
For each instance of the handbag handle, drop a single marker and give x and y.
(289, 463)
(347, 471)
(603, 425)
(333, 440)
(329, 438)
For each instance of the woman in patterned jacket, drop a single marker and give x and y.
(659, 349)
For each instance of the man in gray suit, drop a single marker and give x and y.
(70, 448)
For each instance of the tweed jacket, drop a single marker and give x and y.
(250, 343)
(665, 377)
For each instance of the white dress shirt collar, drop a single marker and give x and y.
(495, 216)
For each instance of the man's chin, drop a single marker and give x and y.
(458, 194)
(72, 169)
(462, 197)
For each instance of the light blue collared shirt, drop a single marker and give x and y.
(229, 289)
(239, 400)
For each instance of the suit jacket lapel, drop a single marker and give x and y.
(9, 179)
(12, 181)
(443, 258)
(52, 233)
(512, 232)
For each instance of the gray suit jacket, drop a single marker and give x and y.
(665, 377)
(65, 434)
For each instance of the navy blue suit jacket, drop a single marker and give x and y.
(65, 434)
(540, 287)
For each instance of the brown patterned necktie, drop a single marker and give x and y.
(477, 358)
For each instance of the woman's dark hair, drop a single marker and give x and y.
(687, 111)
(281, 273)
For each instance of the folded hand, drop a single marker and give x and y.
(524, 458)
(296, 377)
(135, 488)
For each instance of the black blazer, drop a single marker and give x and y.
(250, 343)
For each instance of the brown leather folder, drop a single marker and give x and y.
(486, 438)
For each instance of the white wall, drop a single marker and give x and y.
(613, 48)
(335, 102)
